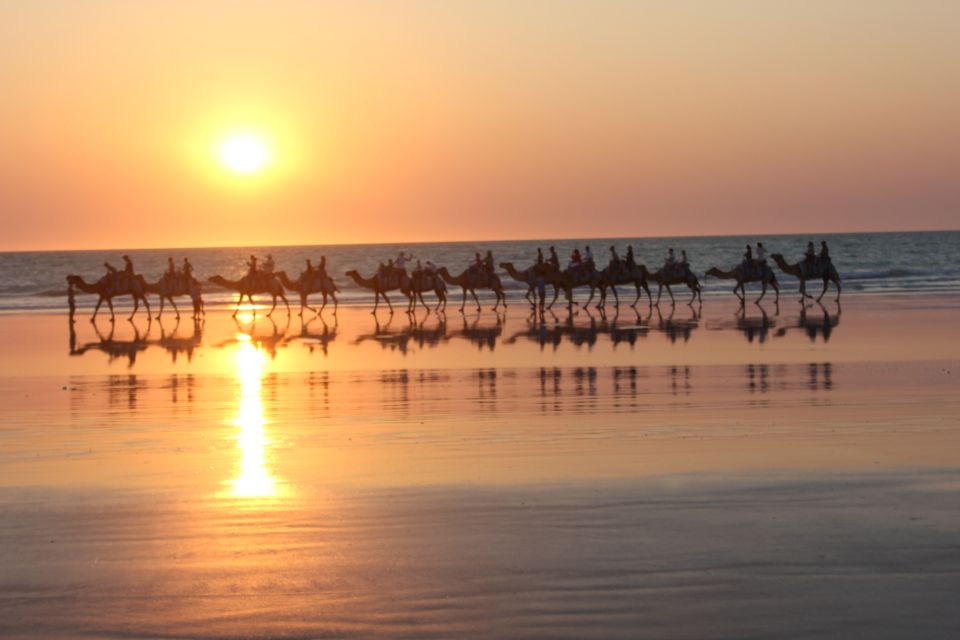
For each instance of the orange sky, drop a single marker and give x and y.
(461, 120)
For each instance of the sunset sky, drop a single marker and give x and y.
(422, 121)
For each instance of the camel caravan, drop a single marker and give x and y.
(581, 271)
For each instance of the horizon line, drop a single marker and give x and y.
(483, 240)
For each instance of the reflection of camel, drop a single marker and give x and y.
(109, 287)
(114, 349)
(529, 277)
(755, 328)
(169, 287)
(400, 339)
(313, 340)
(129, 349)
(312, 282)
(482, 336)
(677, 329)
(380, 286)
(248, 285)
(816, 326)
(268, 343)
(759, 273)
(800, 270)
(470, 282)
(175, 345)
(554, 332)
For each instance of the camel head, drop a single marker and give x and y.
(713, 271)
(74, 280)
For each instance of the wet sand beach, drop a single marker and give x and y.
(786, 472)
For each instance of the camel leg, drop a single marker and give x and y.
(136, 306)
(97, 308)
(237, 310)
(272, 306)
(500, 296)
(694, 296)
(673, 300)
(616, 297)
(587, 303)
(160, 313)
(736, 292)
(376, 301)
(826, 284)
(473, 292)
(464, 303)
(286, 304)
(173, 303)
(659, 293)
(556, 294)
(837, 284)
(776, 291)
(146, 303)
(763, 292)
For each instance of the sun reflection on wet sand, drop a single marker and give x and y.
(254, 479)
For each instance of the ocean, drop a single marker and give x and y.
(911, 262)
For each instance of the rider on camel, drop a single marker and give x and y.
(629, 259)
(614, 258)
(268, 264)
(554, 258)
(401, 262)
(670, 264)
(488, 264)
(824, 252)
(588, 257)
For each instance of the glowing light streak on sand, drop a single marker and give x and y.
(254, 479)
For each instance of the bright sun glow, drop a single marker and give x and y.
(244, 153)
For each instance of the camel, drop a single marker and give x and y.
(109, 287)
(759, 273)
(570, 279)
(380, 286)
(312, 282)
(247, 286)
(827, 273)
(469, 282)
(529, 277)
(427, 281)
(169, 287)
(665, 280)
(624, 275)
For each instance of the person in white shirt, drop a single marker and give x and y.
(401, 261)
(588, 256)
(761, 254)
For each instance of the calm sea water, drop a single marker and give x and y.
(867, 262)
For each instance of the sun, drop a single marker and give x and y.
(244, 153)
